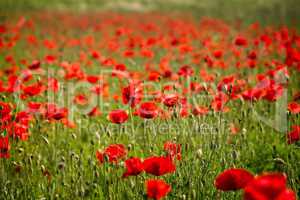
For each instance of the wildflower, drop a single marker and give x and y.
(294, 135)
(148, 110)
(118, 116)
(270, 186)
(233, 179)
(134, 166)
(4, 147)
(158, 166)
(157, 189)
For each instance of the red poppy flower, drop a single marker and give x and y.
(252, 94)
(287, 194)
(158, 166)
(267, 187)
(252, 55)
(23, 117)
(50, 59)
(35, 65)
(233, 179)
(131, 95)
(134, 166)
(53, 84)
(34, 89)
(240, 41)
(114, 152)
(4, 147)
(294, 135)
(170, 100)
(34, 107)
(119, 70)
(226, 83)
(218, 53)
(154, 76)
(147, 53)
(120, 67)
(294, 107)
(81, 99)
(196, 87)
(13, 84)
(52, 112)
(128, 53)
(92, 79)
(185, 71)
(273, 92)
(95, 54)
(2, 28)
(219, 106)
(5, 112)
(61, 113)
(19, 130)
(118, 116)
(200, 110)
(94, 112)
(157, 189)
(148, 110)
(173, 150)
(100, 156)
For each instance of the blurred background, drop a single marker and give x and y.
(265, 11)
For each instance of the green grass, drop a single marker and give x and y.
(265, 11)
(69, 157)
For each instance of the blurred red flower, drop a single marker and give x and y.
(118, 116)
(240, 41)
(113, 153)
(294, 135)
(185, 71)
(4, 147)
(131, 95)
(100, 156)
(170, 100)
(134, 166)
(94, 112)
(159, 165)
(294, 107)
(148, 110)
(52, 112)
(35, 65)
(200, 110)
(252, 94)
(233, 179)
(173, 150)
(157, 189)
(34, 89)
(268, 187)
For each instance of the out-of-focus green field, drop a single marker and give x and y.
(265, 11)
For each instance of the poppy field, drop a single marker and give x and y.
(121, 105)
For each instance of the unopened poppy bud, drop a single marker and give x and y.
(97, 135)
(61, 165)
(199, 153)
(74, 136)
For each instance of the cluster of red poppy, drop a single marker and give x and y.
(186, 57)
(268, 186)
(12, 125)
(154, 165)
(16, 125)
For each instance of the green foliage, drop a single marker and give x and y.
(266, 11)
